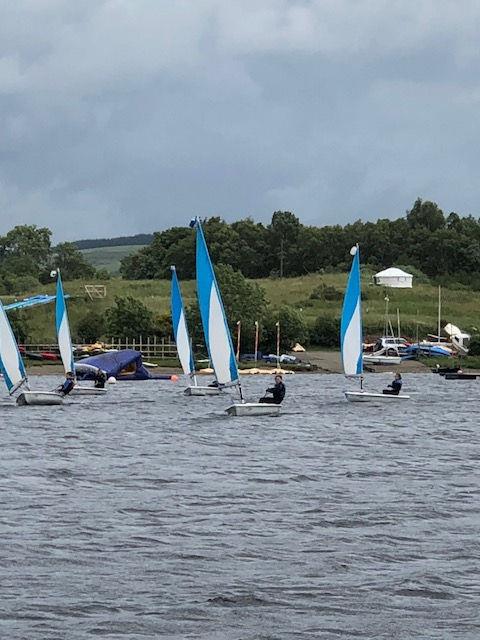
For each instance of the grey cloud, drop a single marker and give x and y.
(125, 116)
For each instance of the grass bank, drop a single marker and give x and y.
(417, 305)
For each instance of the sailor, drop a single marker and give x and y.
(65, 388)
(278, 392)
(394, 388)
(100, 379)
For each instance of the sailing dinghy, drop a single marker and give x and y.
(65, 340)
(13, 369)
(183, 342)
(217, 333)
(351, 336)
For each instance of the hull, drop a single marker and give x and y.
(365, 396)
(460, 376)
(253, 409)
(87, 391)
(39, 398)
(367, 359)
(202, 391)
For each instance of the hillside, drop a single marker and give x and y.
(120, 241)
(419, 304)
(109, 257)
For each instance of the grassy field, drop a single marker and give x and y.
(109, 257)
(416, 305)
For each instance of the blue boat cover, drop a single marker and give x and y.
(30, 302)
(123, 365)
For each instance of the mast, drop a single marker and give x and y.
(439, 312)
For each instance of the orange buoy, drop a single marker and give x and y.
(174, 378)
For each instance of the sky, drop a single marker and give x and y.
(130, 116)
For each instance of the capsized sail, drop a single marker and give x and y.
(180, 330)
(63, 328)
(351, 323)
(11, 363)
(214, 321)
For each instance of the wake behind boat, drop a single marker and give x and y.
(351, 337)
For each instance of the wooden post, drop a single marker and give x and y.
(278, 344)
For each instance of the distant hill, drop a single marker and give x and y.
(109, 257)
(121, 241)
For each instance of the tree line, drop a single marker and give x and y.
(120, 241)
(425, 239)
(27, 257)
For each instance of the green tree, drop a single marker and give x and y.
(92, 327)
(293, 328)
(426, 214)
(25, 250)
(326, 332)
(71, 262)
(129, 318)
(284, 230)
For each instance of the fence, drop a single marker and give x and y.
(151, 347)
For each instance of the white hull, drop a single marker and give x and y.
(253, 409)
(367, 359)
(87, 391)
(365, 396)
(39, 398)
(202, 391)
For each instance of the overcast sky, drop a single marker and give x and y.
(127, 116)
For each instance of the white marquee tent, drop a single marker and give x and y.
(393, 277)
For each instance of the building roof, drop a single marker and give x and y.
(393, 272)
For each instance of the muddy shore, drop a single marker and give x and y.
(326, 361)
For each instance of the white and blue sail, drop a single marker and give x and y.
(11, 363)
(214, 321)
(63, 328)
(180, 330)
(351, 337)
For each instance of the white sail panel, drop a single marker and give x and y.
(180, 329)
(63, 329)
(352, 344)
(220, 349)
(10, 359)
(351, 333)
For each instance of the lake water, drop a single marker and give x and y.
(150, 515)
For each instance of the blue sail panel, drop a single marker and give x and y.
(351, 323)
(180, 330)
(63, 328)
(212, 312)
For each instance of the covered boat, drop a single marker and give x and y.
(123, 365)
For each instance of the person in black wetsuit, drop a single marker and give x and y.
(394, 388)
(100, 379)
(278, 392)
(65, 388)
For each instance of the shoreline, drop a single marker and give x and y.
(325, 361)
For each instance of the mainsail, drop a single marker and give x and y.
(63, 328)
(11, 363)
(351, 323)
(180, 329)
(215, 326)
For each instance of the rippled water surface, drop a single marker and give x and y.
(146, 514)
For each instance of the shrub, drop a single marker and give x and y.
(292, 329)
(326, 292)
(129, 318)
(91, 327)
(474, 349)
(326, 332)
